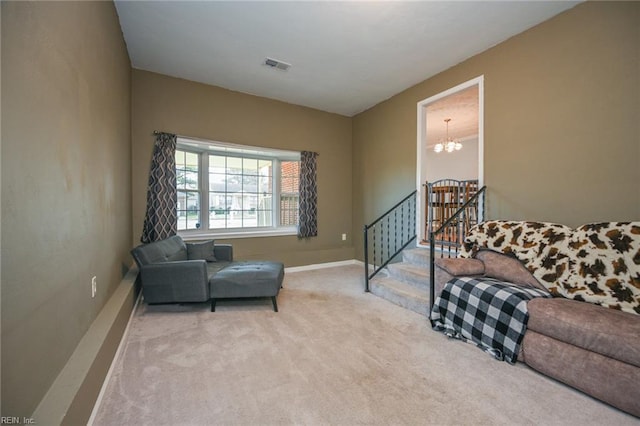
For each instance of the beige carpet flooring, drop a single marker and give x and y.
(333, 355)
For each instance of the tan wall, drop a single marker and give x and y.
(562, 134)
(197, 110)
(66, 197)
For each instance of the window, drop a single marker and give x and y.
(246, 190)
(188, 185)
(289, 192)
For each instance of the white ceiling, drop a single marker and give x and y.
(346, 56)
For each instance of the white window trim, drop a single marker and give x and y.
(197, 234)
(204, 149)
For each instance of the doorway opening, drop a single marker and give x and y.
(456, 114)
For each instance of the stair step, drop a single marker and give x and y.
(416, 275)
(400, 293)
(417, 256)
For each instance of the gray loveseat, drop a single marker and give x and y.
(586, 331)
(172, 271)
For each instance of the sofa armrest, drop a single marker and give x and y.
(459, 267)
(171, 282)
(223, 252)
(446, 269)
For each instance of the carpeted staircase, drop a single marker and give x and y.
(405, 283)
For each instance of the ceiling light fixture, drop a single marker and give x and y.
(449, 144)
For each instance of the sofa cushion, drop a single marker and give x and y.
(449, 268)
(167, 250)
(201, 251)
(214, 267)
(606, 331)
(507, 268)
(247, 279)
(460, 267)
(605, 378)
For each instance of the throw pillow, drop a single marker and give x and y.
(201, 251)
(507, 268)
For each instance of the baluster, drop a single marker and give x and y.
(374, 245)
(387, 235)
(413, 215)
(395, 230)
(402, 223)
(381, 243)
(409, 221)
(380, 235)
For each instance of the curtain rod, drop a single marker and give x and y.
(157, 132)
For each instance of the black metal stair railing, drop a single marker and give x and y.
(447, 239)
(388, 235)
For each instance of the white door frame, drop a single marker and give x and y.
(422, 140)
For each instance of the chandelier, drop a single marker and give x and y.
(449, 144)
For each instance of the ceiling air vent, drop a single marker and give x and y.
(274, 63)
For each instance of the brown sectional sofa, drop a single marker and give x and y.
(588, 334)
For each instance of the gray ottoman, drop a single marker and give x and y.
(247, 279)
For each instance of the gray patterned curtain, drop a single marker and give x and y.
(161, 220)
(308, 226)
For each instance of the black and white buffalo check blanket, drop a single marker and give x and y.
(488, 312)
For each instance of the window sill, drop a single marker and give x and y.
(203, 235)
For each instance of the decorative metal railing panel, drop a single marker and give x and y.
(444, 198)
(446, 239)
(388, 235)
